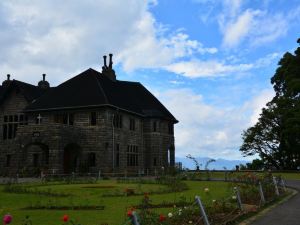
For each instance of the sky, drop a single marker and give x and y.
(208, 61)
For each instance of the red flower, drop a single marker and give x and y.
(65, 218)
(162, 218)
(129, 213)
(7, 219)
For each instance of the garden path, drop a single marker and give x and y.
(287, 213)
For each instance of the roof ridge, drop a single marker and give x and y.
(22, 82)
(162, 105)
(101, 89)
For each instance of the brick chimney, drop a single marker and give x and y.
(6, 82)
(108, 70)
(43, 84)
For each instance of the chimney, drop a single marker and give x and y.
(108, 71)
(110, 61)
(43, 84)
(104, 59)
(5, 83)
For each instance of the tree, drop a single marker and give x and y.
(276, 135)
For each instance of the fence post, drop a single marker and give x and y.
(17, 178)
(99, 174)
(202, 211)
(276, 187)
(238, 198)
(283, 185)
(134, 218)
(262, 197)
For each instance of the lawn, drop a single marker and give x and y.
(285, 175)
(115, 208)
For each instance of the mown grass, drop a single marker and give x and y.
(285, 175)
(88, 194)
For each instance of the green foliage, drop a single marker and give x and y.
(276, 135)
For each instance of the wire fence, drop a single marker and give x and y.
(262, 192)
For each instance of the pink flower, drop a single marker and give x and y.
(7, 219)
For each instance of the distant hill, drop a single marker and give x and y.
(218, 165)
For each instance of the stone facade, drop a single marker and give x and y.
(81, 140)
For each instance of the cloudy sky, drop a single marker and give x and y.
(208, 61)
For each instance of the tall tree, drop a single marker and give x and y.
(276, 135)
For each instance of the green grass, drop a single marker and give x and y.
(286, 175)
(115, 207)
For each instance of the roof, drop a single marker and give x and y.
(92, 89)
(29, 91)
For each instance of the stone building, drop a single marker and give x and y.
(90, 122)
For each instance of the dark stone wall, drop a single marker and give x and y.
(49, 140)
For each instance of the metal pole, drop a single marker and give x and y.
(283, 185)
(238, 198)
(99, 175)
(134, 218)
(113, 142)
(202, 211)
(276, 187)
(262, 197)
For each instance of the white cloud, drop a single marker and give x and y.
(78, 33)
(197, 68)
(147, 49)
(206, 130)
(257, 103)
(253, 26)
(237, 30)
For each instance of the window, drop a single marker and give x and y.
(93, 119)
(65, 118)
(10, 131)
(117, 155)
(47, 156)
(10, 125)
(154, 161)
(71, 119)
(35, 160)
(8, 158)
(25, 120)
(132, 155)
(132, 124)
(4, 131)
(21, 119)
(92, 159)
(170, 128)
(154, 126)
(118, 121)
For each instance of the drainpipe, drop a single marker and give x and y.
(113, 142)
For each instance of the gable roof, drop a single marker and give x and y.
(92, 89)
(29, 91)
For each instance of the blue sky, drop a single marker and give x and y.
(208, 61)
